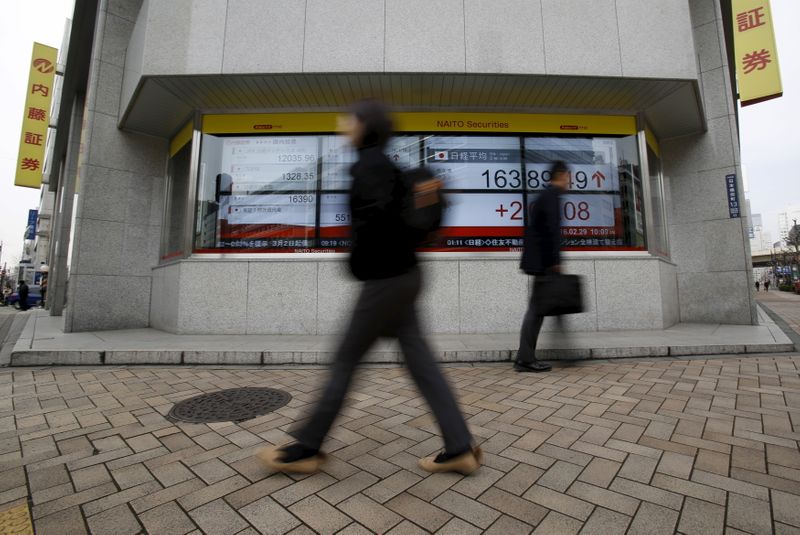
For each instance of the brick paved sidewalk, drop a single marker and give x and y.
(657, 446)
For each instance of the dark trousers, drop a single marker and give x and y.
(529, 334)
(386, 308)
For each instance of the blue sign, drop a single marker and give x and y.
(30, 230)
(733, 196)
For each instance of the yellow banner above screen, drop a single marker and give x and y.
(757, 69)
(36, 117)
(426, 122)
(180, 140)
(652, 141)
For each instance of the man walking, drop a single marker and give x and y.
(541, 256)
(766, 285)
(382, 256)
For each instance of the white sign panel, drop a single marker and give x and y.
(335, 210)
(587, 210)
(475, 162)
(484, 210)
(270, 163)
(293, 210)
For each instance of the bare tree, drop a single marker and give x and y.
(793, 248)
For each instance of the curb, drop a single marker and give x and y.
(271, 358)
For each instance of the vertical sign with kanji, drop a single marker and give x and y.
(757, 69)
(36, 117)
(733, 196)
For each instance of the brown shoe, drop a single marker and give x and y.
(272, 458)
(465, 463)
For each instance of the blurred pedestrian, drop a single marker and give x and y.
(382, 256)
(766, 286)
(541, 256)
(758, 286)
(22, 293)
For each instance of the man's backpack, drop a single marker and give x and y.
(423, 205)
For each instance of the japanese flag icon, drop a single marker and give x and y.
(440, 155)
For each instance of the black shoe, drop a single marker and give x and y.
(534, 366)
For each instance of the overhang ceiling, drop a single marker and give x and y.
(161, 105)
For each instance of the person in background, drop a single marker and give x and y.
(7, 291)
(758, 286)
(541, 256)
(22, 291)
(383, 258)
(43, 289)
(766, 286)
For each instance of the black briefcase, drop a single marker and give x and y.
(556, 294)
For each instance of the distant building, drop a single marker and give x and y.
(760, 239)
(786, 220)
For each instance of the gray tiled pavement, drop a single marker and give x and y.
(697, 446)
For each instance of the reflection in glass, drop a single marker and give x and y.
(291, 193)
(659, 231)
(178, 180)
(596, 212)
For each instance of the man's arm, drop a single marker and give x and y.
(554, 230)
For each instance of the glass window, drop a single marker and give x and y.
(279, 193)
(659, 230)
(174, 233)
(603, 207)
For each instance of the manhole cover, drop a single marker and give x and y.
(231, 405)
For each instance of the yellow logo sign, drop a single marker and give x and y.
(757, 69)
(36, 117)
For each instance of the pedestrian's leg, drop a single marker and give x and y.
(459, 456)
(434, 387)
(529, 336)
(364, 328)
(366, 324)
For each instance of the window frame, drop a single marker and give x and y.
(642, 135)
(187, 136)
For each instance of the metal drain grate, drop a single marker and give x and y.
(231, 405)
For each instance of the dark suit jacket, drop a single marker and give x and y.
(542, 246)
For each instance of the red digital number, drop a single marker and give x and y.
(574, 211)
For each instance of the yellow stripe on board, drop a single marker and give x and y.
(513, 123)
(426, 122)
(270, 123)
(181, 139)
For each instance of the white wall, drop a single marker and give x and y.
(304, 296)
(630, 38)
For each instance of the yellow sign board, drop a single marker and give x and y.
(180, 140)
(36, 117)
(426, 122)
(757, 68)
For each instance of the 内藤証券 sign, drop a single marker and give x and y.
(36, 117)
(757, 69)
